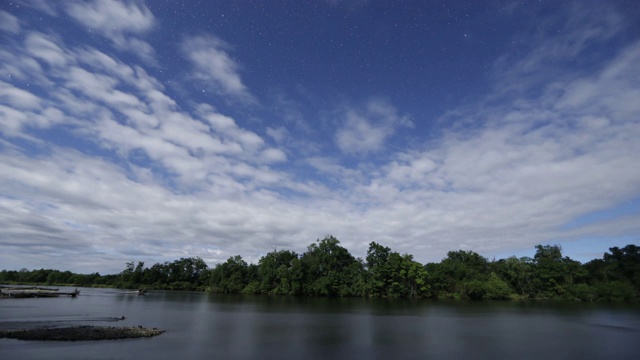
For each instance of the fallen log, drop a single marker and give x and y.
(36, 292)
(81, 333)
(8, 288)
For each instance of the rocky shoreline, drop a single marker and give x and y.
(81, 333)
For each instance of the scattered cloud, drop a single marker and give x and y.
(213, 65)
(366, 130)
(278, 134)
(76, 203)
(117, 21)
(527, 171)
(45, 48)
(273, 156)
(47, 7)
(568, 38)
(18, 98)
(100, 159)
(112, 18)
(9, 22)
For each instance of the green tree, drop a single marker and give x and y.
(556, 275)
(624, 264)
(126, 276)
(549, 271)
(230, 276)
(493, 288)
(136, 275)
(413, 277)
(280, 273)
(395, 275)
(326, 266)
(452, 275)
(616, 277)
(379, 269)
(157, 275)
(518, 273)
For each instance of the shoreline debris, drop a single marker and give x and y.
(81, 333)
(35, 292)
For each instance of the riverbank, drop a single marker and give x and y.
(81, 333)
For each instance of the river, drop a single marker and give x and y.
(210, 326)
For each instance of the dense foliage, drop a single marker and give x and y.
(182, 274)
(548, 275)
(328, 269)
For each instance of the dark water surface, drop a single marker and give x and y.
(204, 326)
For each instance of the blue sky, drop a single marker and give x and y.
(149, 131)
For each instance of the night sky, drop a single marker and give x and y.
(150, 131)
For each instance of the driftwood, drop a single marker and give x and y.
(34, 292)
(5, 288)
(81, 333)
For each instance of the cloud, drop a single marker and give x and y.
(523, 173)
(9, 22)
(340, 176)
(278, 134)
(572, 37)
(45, 48)
(273, 156)
(160, 161)
(112, 17)
(366, 130)
(213, 65)
(76, 204)
(117, 21)
(121, 108)
(620, 100)
(45, 6)
(18, 98)
(100, 164)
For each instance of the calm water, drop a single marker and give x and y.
(203, 326)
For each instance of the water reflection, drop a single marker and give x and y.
(203, 326)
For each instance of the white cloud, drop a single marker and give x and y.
(558, 43)
(273, 156)
(123, 109)
(21, 67)
(358, 135)
(622, 97)
(45, 6)
(212, 64)
(100, 88)
(523, 174)
(12, 120)
(97, 60)
(366, 130)
(412, 171)
(342, 180)
(112, 17)
(225, 125)
(155, 180)
(18, 98)
(9, 22)
(278, 134)
(117, 20)
(45, 48)
(85, 205)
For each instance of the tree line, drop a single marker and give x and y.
(328, 269)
